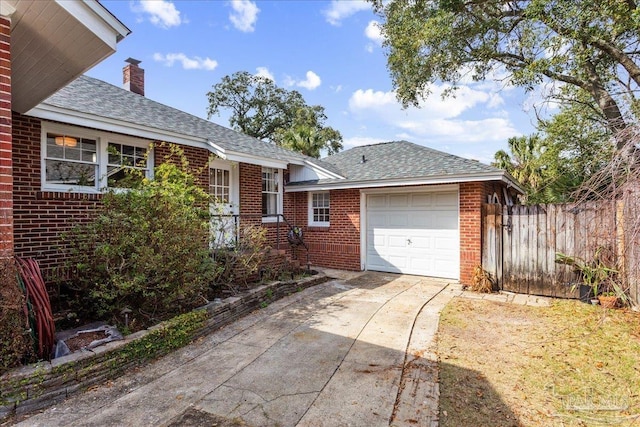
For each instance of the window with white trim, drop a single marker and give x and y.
(89, 161)
(219, 184)
(71, 160)
(271, 192)
(126, 165)
(319, 207)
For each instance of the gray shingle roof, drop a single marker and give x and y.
(401, 160)
(95, 97)
(386, 161)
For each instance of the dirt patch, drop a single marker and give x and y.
(83, 339)
(195, 418)
(570, 364)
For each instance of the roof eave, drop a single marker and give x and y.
(441, 179)
(312, 165)
(72, 117)
(43, 59)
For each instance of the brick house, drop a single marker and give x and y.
(395, 207)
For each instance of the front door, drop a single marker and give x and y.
(223, 186)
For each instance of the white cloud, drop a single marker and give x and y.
(162, 13)
(264, 72)
(311, 82)
(341, 9)
(194, 63)
(244, 15)
(373, 32)
(467, 118)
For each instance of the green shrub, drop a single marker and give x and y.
(147, 250)
(16, 344)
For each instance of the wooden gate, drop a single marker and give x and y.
(520, 243)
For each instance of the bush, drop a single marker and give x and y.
(147, 250)
(240, 263)
(16, 344)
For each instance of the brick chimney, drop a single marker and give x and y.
(133, 76)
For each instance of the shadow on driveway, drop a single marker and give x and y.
(355, 352)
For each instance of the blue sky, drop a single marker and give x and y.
(330, 51)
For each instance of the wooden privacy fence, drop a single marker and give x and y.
(520, 243)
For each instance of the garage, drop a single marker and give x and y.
(413, 233)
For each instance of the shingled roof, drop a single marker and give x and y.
(112, 104)
(402, 162)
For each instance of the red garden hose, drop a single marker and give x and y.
(37, 295)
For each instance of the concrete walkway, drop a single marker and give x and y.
(355, 351)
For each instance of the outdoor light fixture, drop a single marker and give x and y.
(66, 141)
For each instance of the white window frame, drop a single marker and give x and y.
(311, 221)
(215, 186)
(279, 196)
(102, 139)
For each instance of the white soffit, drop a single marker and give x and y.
(53, 42)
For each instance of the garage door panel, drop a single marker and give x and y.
(413, 233)
(397, 241)
(421, 220)
(399, 220)
(378, 219)
(443, 221)
(398, 261)
(449, 200)
(421, 243)
(421, 200)
(398, 201)
(445, 244)
(379, 201)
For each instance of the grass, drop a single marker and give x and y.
(570, 364)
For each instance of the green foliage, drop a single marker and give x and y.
(553, 164)
(171, 335)
(261, 109)
(147, 250)
(15, 339)
(585, 44)
(594, 273)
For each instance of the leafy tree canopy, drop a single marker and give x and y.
(586, 44)
(261, 109)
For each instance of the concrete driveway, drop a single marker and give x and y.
(350, 352)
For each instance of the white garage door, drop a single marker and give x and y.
(413, 233)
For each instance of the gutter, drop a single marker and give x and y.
(441, 179)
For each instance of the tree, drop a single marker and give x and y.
(527, 164)
(261, 109)
(585, 44)
(552, 164)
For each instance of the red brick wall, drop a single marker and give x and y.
(40, 217)
(472, 195)
(6, 166)
(250, 193)
(336, 246)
